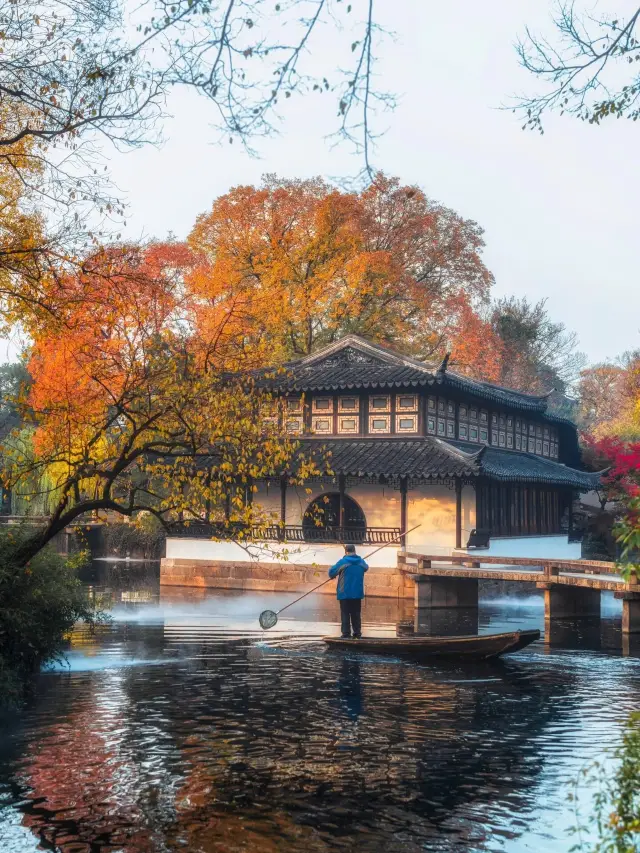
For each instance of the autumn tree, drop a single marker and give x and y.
(609, 394)
(131, 412)
(587, 66)
(538, 354)
(300, 264)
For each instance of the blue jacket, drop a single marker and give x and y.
(351, 582)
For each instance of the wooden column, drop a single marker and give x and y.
(283, 505)
(458, 512)
(207, 503)
(570, 526)
(342, 480)
(404, 488)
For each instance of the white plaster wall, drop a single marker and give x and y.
(267, 500)
(550, 547)
(274, 552)
(434, 509)
(380, 504)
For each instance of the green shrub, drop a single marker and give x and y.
(39, 604)
(615, 817)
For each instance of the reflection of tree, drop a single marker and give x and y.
(84, 781)
(275, 749)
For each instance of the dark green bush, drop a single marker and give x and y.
(39, 604)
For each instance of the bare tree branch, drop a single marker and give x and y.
(589, 68)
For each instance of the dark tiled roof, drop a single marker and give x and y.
(334, 378)
(505, 466)
(511, 466)
(495, 393)
(374, 457)
(433, 457)
(430, 458)
(354, 363)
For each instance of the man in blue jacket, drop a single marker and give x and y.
(350, 590)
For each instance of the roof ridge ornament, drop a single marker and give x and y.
(376, 352)
(444, 364)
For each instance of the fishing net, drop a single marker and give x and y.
(268, 619)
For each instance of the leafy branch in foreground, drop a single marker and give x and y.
(614, 818)
(75, 76)
(589, 67)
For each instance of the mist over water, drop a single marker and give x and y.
(182, 726)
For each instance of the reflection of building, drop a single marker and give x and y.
(403, 444)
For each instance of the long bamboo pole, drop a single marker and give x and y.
(395, 539)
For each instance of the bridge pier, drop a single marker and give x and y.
(631, 613)
(445, 592)
(569, 602)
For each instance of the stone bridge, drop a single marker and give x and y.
(571, 587)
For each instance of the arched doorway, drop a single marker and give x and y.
(321, 520)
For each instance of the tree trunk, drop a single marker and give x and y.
(31, 546)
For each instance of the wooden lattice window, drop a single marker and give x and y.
(348, 424)
(348, 404)
(322, 405)
(406, 423)
(406, 402)
(322, 425)
(380, 403)
(379, 423)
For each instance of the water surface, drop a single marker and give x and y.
(182, 726)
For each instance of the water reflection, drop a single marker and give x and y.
(238, 740)
(446, 623)
(350, 688)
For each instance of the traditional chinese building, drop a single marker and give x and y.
(403, 443)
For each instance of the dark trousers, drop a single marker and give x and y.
(350, 615)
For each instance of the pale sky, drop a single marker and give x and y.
(560, 211)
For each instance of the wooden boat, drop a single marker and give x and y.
(478, 647)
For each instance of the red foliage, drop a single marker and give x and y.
(623, 478)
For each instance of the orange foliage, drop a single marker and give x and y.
(476, 349)
(295, 265)
(108, 318)
(121, 379)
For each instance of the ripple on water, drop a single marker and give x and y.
(181, 732)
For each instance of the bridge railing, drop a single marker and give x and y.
(475, 561)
